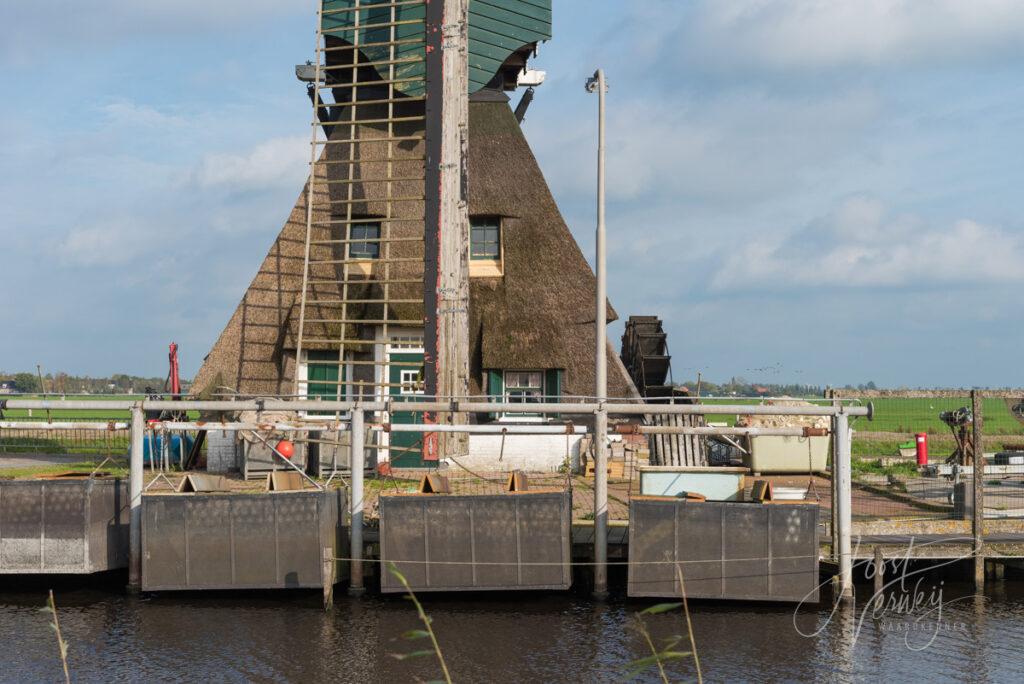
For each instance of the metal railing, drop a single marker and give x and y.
(839, 414)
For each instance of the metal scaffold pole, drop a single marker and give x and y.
(135, 475)
(601, 360)
(844, 499)
(356, 587)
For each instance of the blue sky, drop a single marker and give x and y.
(806, 191)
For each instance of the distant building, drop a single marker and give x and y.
(8, 387)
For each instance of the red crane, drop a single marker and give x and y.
(173, 378)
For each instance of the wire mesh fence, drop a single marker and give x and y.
(915, 458)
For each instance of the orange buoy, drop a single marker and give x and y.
(285, 448)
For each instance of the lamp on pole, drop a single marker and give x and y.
(597, 84)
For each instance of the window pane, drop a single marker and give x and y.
(370, 249)
(485, 238)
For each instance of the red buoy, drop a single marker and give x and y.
(285, 448)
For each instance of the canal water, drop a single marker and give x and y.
(287, 637)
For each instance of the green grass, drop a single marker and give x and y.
(861, 466)
(83, 467)
(922, 415)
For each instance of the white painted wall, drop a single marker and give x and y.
(531, 453)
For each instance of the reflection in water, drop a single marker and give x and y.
(491, 638)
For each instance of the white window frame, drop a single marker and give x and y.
(518, 417)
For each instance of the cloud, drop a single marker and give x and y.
(109, 243)
(128, 113)
(274, 163)
(864, 245)
(818, 34)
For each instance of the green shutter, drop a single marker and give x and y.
(553, 386)
(495, 389)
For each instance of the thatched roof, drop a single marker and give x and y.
(538, 315)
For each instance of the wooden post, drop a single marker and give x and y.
(446, 229)
(978, 517)
(879, 571)
(328, 576)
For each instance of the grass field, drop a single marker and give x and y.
(922, 415)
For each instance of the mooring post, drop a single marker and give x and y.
(135, 475)
(355, 587)
(841, 471)
(879, 571)
(978, 517)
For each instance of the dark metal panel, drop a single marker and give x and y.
(793, 572)
(725, 550)
(697, 536)
(238, 541)
(299, 547)
(465, 543)
(73, 526)
(745, 551)
(164, 546)
(64, 538)
(250, 523)
(208, 551)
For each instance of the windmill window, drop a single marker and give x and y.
(485, 247)
(365, 241)
(485, 239)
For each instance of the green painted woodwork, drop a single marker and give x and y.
(497, 28)
(322, 377)
(406, 448)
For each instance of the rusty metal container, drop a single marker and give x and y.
(440, 542)
(738, 551)
(63, 526)
(239, 541)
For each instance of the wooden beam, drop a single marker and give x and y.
(446, 265)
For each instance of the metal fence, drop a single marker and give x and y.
(915, 458)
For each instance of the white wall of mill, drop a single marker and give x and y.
(532, 453)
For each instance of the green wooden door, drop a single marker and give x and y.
(406, 448)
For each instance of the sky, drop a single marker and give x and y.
(805, 191)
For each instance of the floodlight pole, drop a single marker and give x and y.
(597, 82)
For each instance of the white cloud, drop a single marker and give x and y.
(861, 244)
(128, 113)
(274, 163)
(107, 243)
(816, 34)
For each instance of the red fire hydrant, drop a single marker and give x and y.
(922, 449)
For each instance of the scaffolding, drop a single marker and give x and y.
(363, 269)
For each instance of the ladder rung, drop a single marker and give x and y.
(367, 84)
(356, 181)
(362, 321)
(414, 39)
(335, 262)
(366, 7)
(368, 282)
(360, 141)
(322, 302)
(342, 222)
(364, 27)
(350, 122)
(393, 160)
(360, 103)
(369, 200)
(357, 241)
(383, 62)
